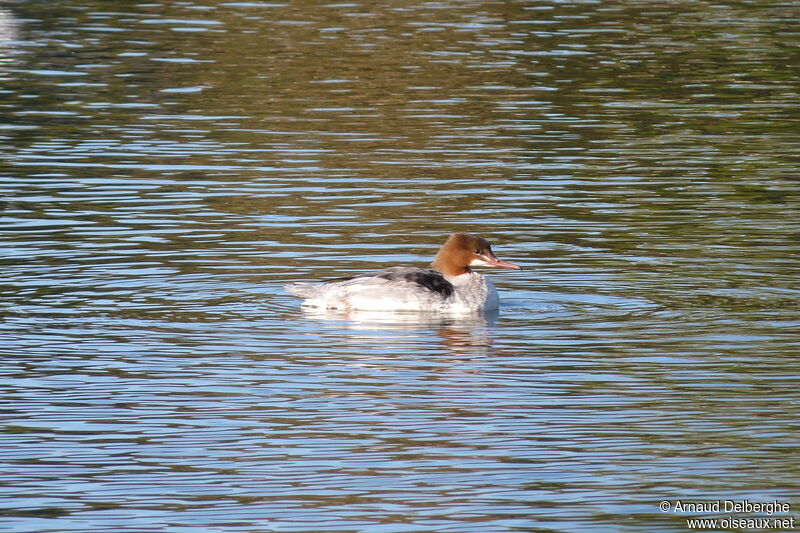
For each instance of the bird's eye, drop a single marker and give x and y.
(477, 252)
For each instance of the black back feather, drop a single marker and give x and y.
(430, 279)
(427, 278)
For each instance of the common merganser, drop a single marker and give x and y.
(450, 286)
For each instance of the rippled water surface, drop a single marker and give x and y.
(167, 166)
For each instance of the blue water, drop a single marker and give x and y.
(166, 167)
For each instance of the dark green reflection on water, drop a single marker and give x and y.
(167, 166)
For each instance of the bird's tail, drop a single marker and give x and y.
(302, 290)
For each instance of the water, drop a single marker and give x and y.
(168, 165)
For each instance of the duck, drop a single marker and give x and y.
(448, 286)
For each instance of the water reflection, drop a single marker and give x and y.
(168, 166)
(457, 337)
(399, 319)
(8, 36)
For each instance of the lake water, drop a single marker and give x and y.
(167, 166)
